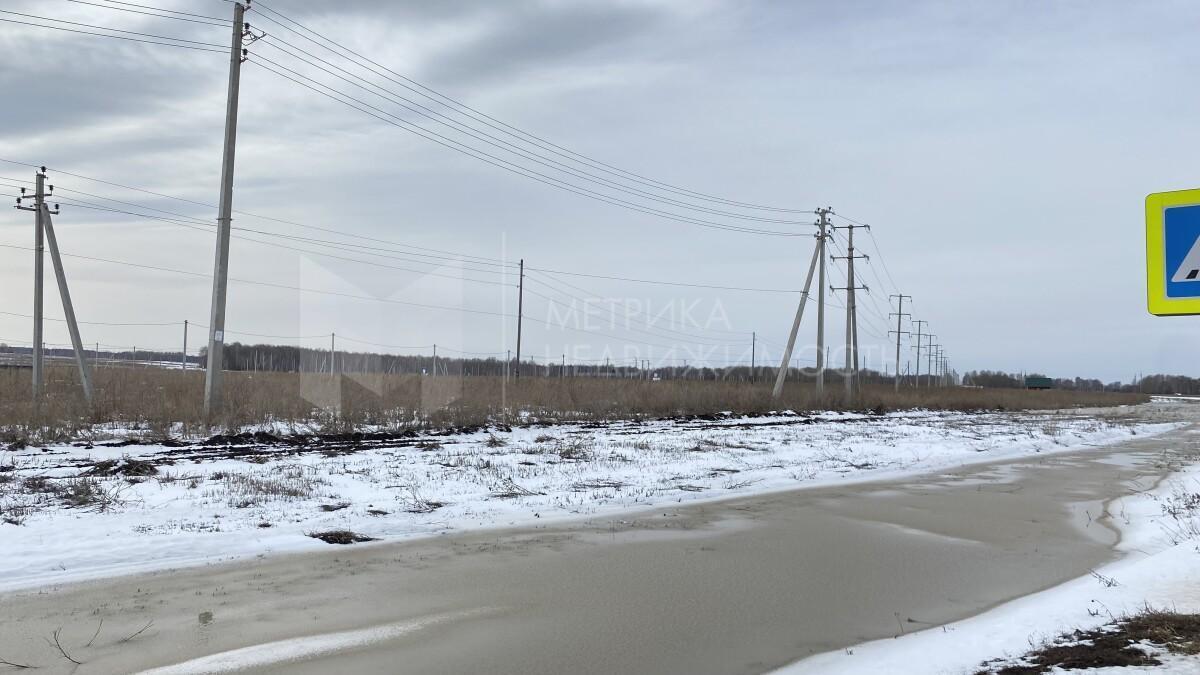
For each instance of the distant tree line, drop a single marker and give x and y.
(1149, 384)
(1167, 384)
(1002, 380)
(286, 358)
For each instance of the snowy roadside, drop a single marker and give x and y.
(69, 513)
(1160, 543)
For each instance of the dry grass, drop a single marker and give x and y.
(281, 483)
(342, 537)
(1122, 644)
(166, 402)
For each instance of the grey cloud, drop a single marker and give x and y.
(1000, 153)
(529, 36)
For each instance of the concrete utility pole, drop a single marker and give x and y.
(921, 323)
(332, 352)
(929, 353)
(39, 197)
(899, 314)
(43, 233)
(851, 308)
(823, 224)
(520, 313)
(435, 360)
(753, 348)
(85, 374)
(818, 257)
(216, 329)
(185, 331)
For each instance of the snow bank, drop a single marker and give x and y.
(204, 511)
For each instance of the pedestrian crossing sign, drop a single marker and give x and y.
(1173, 253)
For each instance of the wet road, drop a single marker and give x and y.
(738, 586)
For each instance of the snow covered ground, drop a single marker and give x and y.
(73, 512)
(1159, 569)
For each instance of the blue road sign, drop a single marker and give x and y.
(1173, 252)
(1181, 239)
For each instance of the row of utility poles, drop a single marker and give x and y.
(937, 361)
(242, 36)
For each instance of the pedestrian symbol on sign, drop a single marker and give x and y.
(1181, 234)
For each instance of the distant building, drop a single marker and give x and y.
(1036, 382)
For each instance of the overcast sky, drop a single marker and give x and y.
(1001, 152)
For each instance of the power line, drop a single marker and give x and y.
(455, 255)
(170, 11)
(882, 260)
(189, 220)
(93, 323)
(193, 18)
(336, 294)
(192, 44)
(269, 284)
(665, 283)
(393, 120)
(490, 139)
(206, 227)
(450, 255)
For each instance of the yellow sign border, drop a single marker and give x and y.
(1156, 259)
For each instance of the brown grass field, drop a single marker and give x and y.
(170, 402)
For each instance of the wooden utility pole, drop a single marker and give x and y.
(899, 314)
(817, 258)
(520, 314)
(216, 324)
